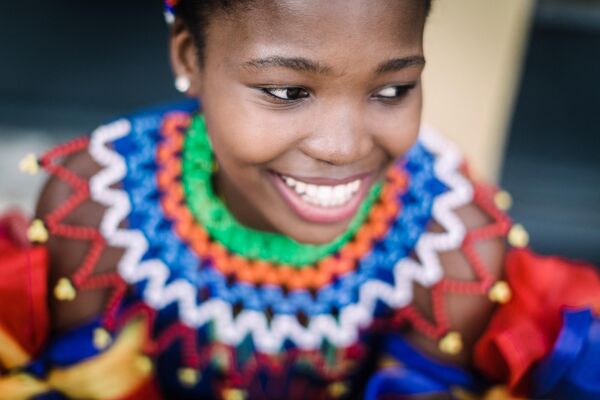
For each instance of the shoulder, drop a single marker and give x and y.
(72, 210)
(66, 210)
(471, 223)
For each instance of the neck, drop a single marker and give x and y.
(240, 208)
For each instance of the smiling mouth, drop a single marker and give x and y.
(324, 195)
(323, 200)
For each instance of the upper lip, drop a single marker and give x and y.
(327, 181)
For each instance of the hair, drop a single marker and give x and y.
(196, 14)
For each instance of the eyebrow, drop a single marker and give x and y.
(397, 64)
(296, 63)
(306, 65)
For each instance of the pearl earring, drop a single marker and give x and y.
(182, 84)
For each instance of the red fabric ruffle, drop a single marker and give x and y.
(23, 285)
(524, 330)
(148, 391)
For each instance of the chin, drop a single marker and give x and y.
(319, 233)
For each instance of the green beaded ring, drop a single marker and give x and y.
(209, 211)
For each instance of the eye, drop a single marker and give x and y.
(394, 92)
(287, 93)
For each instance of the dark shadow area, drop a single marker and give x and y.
(71, 64)
(552, 164)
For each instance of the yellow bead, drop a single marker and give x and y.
(500, 292)
(451, 343)
(64, 290)
(144, 364)
(518, 236)
(503, 200)
(459, 393)
(37, 232)
(29, 164)
(234, 394)
(188, 377)
(388, 362)
(102, 338)
(337, 389)
(497, 393)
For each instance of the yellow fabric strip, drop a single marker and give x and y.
(12, 354)
(113, 374)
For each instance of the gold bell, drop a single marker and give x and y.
(188, 377)
(102, 338)
(451, 343)
(337, 389)
(234, 394)
(64, 290)
(29, 164)
(503, 200)
(459, 393)
(518, 236)
(37, 232)
(144, 364)
(500, 292)
(388, 362)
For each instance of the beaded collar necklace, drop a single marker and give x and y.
(171, 258)
(194, 284)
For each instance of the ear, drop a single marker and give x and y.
(185, 60)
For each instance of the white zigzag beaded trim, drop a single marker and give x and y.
(269, 337)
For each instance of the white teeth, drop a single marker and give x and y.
(324, 195)
(325, 192)
(311, 190)
(300, 187)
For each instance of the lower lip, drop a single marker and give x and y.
(317, 214)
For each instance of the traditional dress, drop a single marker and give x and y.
(203, 307)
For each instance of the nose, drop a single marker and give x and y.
(339, 136)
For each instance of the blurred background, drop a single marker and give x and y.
(515, 82)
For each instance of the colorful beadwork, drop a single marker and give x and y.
(386, 274)
(170, 6)
(224, 307)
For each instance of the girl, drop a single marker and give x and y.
(292, 232)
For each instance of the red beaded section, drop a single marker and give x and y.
(483, 282)
(84, 277)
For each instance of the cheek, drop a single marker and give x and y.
(246, 138)
(397, 131)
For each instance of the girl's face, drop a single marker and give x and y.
(307, 103)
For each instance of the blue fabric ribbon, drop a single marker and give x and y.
(416, 374)
(572, 370)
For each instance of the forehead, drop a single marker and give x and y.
(347, 30)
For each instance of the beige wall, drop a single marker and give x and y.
(474, 51)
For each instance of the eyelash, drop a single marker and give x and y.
(401, 91)
(269, 92)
